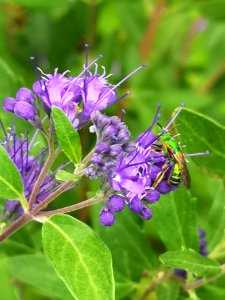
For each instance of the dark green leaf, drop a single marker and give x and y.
(68, 137)
(127, 243)
(199, 134)
(11, 186)
(36, 271)
(79, 257)
(192, 262)
(175, 220)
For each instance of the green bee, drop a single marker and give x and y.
(176, 161)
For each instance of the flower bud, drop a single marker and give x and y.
(25, 94)
(107, 218)
(24, 110)
(116, 203)
(8, 104)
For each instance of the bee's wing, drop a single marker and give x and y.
(185, 175)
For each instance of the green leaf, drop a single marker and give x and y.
(66, 176)
(167, 290)
(192, 262)
(68, 137)
(200, 133)
(6, 281)
(79, 257)
(11, 185)
(175, 220)
(36, 271)
(127, 244)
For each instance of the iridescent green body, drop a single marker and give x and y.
(179, 171)
(175, 175)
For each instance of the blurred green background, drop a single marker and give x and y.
(181, 41)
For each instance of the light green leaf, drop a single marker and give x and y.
(79, 257)
(200, 133)
(66, 176)
(68, 137)
(175, 220)
(36, 271)
(11, 186)
(192, 262)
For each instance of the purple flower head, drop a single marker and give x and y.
(18, 149)
(23, 106)
(110, 145)
(107, 218)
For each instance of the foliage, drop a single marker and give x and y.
(61, 257)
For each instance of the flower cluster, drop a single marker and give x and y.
(130, 169)
(135, 174)
(78, 96)
(29, 167)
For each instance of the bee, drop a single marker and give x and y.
(176, 161)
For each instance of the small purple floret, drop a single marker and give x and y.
(135, 205)
(25, 94)
(24, 110)
(107, 218)
(116, 203)
(146, 213)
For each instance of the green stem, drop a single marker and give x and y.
(202, 282)
(23, 202)
(24, 219)
(43, 173)
(72, 208)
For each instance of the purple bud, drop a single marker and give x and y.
(181, 273)
(37, 87)
(146, 213)
(116, 203)
(123, 135)
(102, 147)
(204, 252)
(24, 110)
(25, 94)
(9, 103)
(110, 131)
(96, 159)
(201, 233)
(115, 150)
(164, 188)
(202, 243)
(107, 218)
(135, 205)
(152, 196)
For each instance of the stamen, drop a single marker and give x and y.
(175, 116)
(124, 79)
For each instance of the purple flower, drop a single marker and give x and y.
(29, 168)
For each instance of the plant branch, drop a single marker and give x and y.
(24, 219)
(52, 196)
(44, 171)
(161, 276)
(74, 207)
(202, 282)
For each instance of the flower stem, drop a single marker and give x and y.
(202, 282)
(74, 207)
(44, 171)
(24, 219)
(52, 196)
